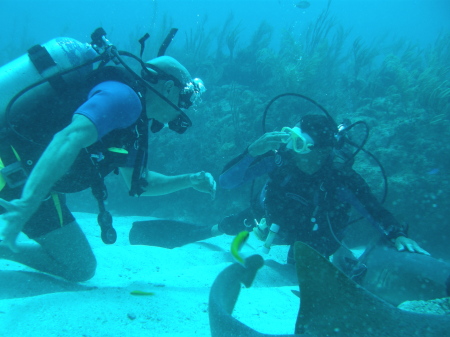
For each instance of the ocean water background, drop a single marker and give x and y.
(25, 23)
(38, 21)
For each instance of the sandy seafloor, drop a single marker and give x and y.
(33, 305)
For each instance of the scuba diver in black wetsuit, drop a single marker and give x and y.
(74, 137)
(308, 197)
(310, 192)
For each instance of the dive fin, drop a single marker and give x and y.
(167, 233)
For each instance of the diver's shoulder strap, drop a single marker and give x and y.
(115, 73)
(12, 170)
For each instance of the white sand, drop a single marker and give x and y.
(180, 278)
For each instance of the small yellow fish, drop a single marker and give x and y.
(141, 293)
(237, 244)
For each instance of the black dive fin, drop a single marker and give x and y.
(167, 233)
(224, 294)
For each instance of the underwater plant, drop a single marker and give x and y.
(433, 83)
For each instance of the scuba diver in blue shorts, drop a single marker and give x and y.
(60, 135)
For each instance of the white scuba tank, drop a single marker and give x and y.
(53, 57)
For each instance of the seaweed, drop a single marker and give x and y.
(362, 56)
(433, 83)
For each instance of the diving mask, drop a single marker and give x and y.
(180, 124)
(298, 141)
(191, 93)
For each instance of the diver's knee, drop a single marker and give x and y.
(82, 272)
(89, 271)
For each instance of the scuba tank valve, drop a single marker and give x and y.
(260, 229)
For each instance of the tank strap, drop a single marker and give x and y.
(12, 172)
(2, 180)
(42, 60)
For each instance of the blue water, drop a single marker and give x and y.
(27, 22)
(24, 23)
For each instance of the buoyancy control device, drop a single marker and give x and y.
(48, 70)
(64, 57)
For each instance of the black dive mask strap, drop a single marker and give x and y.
(156, 126)
(180, 124)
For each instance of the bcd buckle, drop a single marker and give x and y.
(14, 174)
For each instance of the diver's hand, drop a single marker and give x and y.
(204, 182)
(12, 221)
(403, 242)
(269, 141)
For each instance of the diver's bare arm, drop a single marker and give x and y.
(159, 184)
(57, 159)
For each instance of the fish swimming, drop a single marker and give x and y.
(433, 171)
(331, 304)
(237, 244)
(141, 293)
(303, 4)
(397, 277)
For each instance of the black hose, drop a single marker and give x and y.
(34, 85)
(363, 143)
(117, 54)
(359, 147)
(296, 95)
(167, 40)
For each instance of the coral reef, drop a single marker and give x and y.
(400, 89)
(435, 307)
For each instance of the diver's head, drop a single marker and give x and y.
(173, 81)
(312, 141)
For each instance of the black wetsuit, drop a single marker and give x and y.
(314, 209)
(112, 103)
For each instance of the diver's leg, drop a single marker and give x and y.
(63, 252)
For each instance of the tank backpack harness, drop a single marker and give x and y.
(15, 170)
(98, 159)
